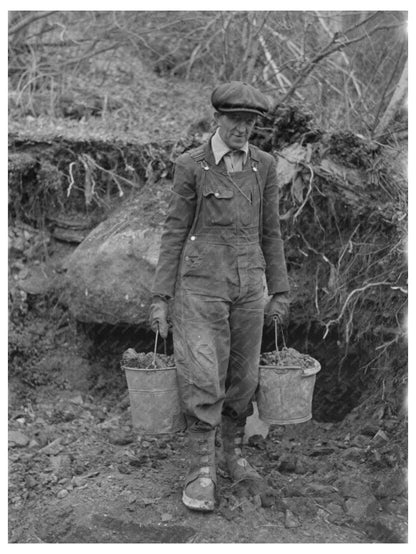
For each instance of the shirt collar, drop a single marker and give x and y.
(219, 148)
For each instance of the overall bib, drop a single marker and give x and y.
(219, 299)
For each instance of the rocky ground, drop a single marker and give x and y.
(80, 473)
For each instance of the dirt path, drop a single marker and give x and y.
(80, 474)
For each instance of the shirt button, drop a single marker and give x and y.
(186, 258)
(193, 238)
(216, 194)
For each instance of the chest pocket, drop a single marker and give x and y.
(217, 205)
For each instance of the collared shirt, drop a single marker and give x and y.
(233, 159)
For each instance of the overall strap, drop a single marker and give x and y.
(198, 155)
(254, 160)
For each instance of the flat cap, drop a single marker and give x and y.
(237, 96)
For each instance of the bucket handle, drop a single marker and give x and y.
(307, 372)
(153, 363)
(276, 320)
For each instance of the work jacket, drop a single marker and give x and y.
(189, 202)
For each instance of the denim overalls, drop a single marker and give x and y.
(219, 298)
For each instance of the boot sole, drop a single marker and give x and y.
(198, 505)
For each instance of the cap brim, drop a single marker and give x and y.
(241, 110)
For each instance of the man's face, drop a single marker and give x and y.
(235, 128)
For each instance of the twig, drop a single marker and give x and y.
(72, 181)
(333, 46)
(89, 179)
(385, 345)
(316, 290)
(347, 246)
(351, 294)
(314, 250)
(28, 20)
(279, 76)
(113, 175)
(90, 55)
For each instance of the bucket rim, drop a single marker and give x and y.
(124, 367)
(285, 421)
(306, 371)
(277, 366)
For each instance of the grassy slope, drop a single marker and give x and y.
(137, 106)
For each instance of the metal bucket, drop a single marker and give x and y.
(285, 392)
(154, 399)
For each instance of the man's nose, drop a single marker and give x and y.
(242, 126)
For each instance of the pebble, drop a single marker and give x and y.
(120, 438)
(353, 488)
(62, 493)
(147, 501)
(360, 441)
(352, 453)
(16, 438)
(291, 521)
(300, 467)
(359, 508)
(53, 447)
(30, 482)
(287, 463)
(77, 481)
(267, 499)
(320, 489)
(369, 429)
(77, 400)
(335, 509)
(379, 439)
(393, 485)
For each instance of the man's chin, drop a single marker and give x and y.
(239, 142)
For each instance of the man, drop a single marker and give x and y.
(221, 234)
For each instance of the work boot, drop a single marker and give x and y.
(232, 440)
(199, 490)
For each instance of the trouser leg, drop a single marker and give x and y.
(246, 328)
(246, 324)
(201, 343)
(201, 335)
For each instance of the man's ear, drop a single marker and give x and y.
(217, 116)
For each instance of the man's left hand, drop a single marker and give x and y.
(278, 306)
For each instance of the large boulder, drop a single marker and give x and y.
(109, 275)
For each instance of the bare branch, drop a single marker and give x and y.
(29, 20)
(330, 49)
(351, 294)
(92, 54)
(394, 104)
(279, 76)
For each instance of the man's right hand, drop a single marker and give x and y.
(158, 317)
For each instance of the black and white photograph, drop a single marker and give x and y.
(207, 276)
